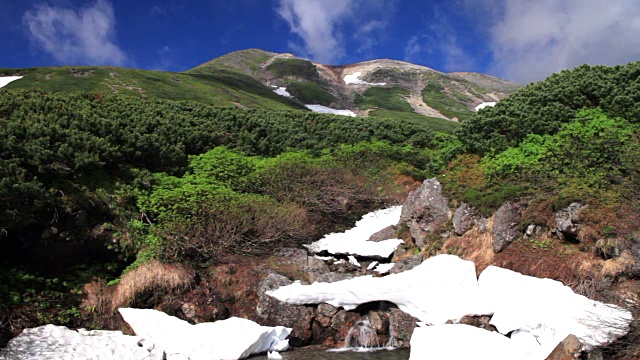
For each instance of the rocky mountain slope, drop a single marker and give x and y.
(248, 78)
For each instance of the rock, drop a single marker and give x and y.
(479, 321)
(189, 311)
(569, 349)
(390, 232)
(505, 223)
(483, 225)
(533, 231)
(333, 277)
(342, 322)
(273, 312)
(233, 338)
(401, 326)
(567, 222)
(324, 314)
(302, 259)
(464, 218)
(406, 264)
(379, 321)
(612, 248)
(425, 211)
(50, 342)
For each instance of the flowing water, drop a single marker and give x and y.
(319, 354)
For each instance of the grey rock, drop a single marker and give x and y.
(273, 312)
(325, 313)
(567, 349)
(390, 232)
(483, 225)
(533, 231)
(505, 223)
(425, 211)
(568, 222)
(51, 342)
(301, 258)
(379, 321)
(406, 264)
(401, 327)
(333, 277)
(464, 218)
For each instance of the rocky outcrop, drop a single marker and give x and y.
(406, 264)
(505, 223)
(569, 349)
(425, 211)
(390, 232)
(568, 222)
(464, 218)
(272, 312)
(401, 326)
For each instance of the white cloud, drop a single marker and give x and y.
(316, 22)
(321, 26)
(85, 36)
(412, 49)
(532, 39)
(441, 42)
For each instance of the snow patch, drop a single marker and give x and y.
(282, 91)
(485, 104)
(384, 268)
(355, 241)
(233, 338)
(355, 79)
(4, 80)
(328, 110)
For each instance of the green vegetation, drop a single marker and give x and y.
(436, 124)
(434, 95)
(219, 87)
(295, 68)
(310, 93)
(384, 98)
(543, 107)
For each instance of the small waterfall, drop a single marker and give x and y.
(362, 335)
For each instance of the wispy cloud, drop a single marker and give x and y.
(85, 36)
(532, 39)
(321, 26)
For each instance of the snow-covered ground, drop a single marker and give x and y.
(355, 79)
(542, 312)
(4, 80)
(282, 91)
(356, 242)
(485, 104)
(328, 110)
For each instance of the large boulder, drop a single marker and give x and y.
(505, 223)
(390, 232)
(569, 349)
(425, 211)
(272, 312)
(464, 218)
(568, 222)
(401, 326)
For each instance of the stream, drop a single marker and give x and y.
(310, 353)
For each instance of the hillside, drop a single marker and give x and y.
(248, 78)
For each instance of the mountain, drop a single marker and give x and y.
(248, 78)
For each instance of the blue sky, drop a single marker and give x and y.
(521, 40)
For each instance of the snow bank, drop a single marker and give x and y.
(234, 338)
(485, 104)
(540, 312)
(328, 110)
(384, 268)
(355, 241)
(548, 310)
(282, 91)
(355, 79)
(4, 80)
(51, 342)
(463, 342)
(441, 288)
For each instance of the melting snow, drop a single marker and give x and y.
(355, 241)
(328, 110)
(282, 91)
(4, 80)
(445, 287)
(485, 104)
(355, 79)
